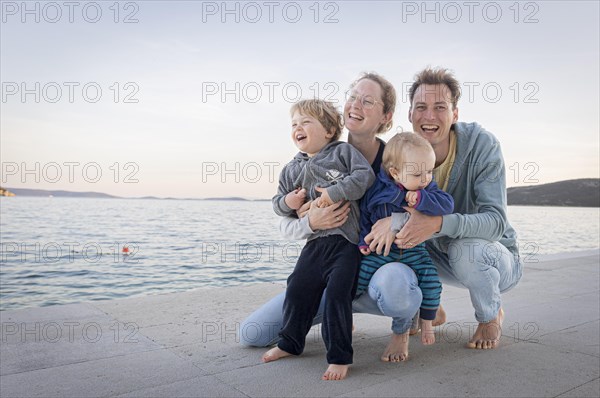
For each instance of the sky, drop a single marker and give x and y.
(191, 99)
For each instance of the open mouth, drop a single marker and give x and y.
(354, 116)
(300, 137)
(429, 128)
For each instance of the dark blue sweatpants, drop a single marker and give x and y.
(330, 262)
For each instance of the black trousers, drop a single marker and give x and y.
(330, 262)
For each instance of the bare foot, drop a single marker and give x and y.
(440, 317)
(397, 349)
(427, 334)
(487, 335)
(274, 354)
(335, 372)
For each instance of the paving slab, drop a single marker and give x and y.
(186, 344)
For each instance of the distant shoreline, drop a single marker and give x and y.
(583, 192)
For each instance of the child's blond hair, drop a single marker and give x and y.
(394, 154)
(324, 112)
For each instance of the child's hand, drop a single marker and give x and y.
(365, 250)
(411, 198)
(324, 200)
(296, 198)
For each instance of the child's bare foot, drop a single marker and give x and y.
(335, 372)
(397, 349)
(440, 317)
(274, 354)
(488, 334)
(427, 334)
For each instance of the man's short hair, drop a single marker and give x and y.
(437, 75)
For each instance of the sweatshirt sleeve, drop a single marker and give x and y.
(286, 185)
(294, 228)
(434, 202)
(359, 178)
(489, 191)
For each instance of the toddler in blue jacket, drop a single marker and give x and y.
(405, 179)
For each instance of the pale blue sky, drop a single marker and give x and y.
(179, 138)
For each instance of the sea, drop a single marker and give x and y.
(67, 250)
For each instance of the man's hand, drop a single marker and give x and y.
(418, 229)
(381, 237)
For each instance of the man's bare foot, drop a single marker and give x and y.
(488, 334)
(440, 317)
(274, 354)
(427, 334)
(397, 349)
(335, 372)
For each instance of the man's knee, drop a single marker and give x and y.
(395, 286)
(471, 255)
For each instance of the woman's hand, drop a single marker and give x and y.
(327, 217)
(381, 237)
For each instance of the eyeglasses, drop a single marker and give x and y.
(366, 101)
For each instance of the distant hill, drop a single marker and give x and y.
(584, 192)
(58, 194)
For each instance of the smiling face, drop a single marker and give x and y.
(357, 118)
(308, 134)
(416, 170)
(431, 113)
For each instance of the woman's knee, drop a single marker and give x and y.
(258, 334)
(261, 328)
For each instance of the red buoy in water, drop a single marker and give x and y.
(125, 250)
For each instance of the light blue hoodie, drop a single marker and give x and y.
(477, 182)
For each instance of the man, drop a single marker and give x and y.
(475, 247)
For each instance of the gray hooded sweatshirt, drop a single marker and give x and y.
(341, 169)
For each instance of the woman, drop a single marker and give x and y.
(393, 289)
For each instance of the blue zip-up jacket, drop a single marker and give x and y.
(386, 197)
(477, 183)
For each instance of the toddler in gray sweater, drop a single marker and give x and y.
(326, 171)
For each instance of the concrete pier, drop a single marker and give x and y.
(185, 345)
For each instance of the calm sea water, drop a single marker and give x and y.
(64, 250)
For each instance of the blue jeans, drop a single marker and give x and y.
(393, 292)
(485, 268)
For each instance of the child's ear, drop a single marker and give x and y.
(331, 133)
(392, 172)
